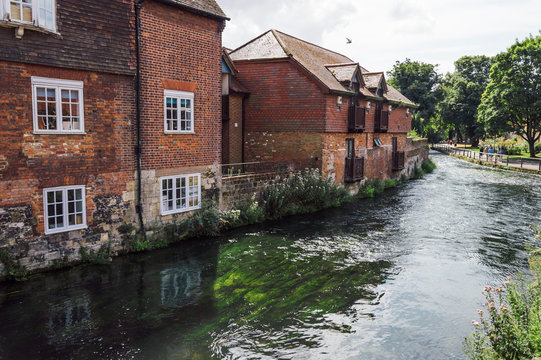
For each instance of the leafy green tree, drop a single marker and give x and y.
(419, 82)
(512, 99)
(462, 92)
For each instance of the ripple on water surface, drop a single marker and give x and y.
(396, 277)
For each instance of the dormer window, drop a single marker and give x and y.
(39, 13)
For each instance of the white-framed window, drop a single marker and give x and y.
(178, 111)
(180, 193)
(64, 209)
(57, 106)
(40, 13)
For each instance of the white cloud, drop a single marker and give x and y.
(384, 31)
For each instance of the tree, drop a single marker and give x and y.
(461, 96)
(418, 82)
(512, 99)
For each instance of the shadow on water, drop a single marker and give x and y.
(398, 276)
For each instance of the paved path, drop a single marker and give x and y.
(501, 160)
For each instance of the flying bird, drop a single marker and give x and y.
(348, 41)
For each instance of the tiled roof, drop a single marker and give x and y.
(395, 95)
(372, 80)
(209, 7)
(329, 67)
(343, 72)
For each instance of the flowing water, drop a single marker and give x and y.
(395, 277)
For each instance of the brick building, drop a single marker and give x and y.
(72, 128)
(181, 74)
(311, 104)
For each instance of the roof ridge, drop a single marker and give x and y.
(251, 41)
(341, 64)
(280, 42)
(373, 73)
(308, 42)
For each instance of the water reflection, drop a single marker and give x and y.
(181, 285)
(70, 321)
(394, 277)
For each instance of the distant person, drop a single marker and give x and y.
(501, 153)
(490, 150)
(481, 149)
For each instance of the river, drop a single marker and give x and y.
(395, 277)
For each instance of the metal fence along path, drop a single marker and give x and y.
(524, 163)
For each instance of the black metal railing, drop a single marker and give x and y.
(354, 169)
(398, 160)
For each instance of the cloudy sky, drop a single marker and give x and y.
(384, 31)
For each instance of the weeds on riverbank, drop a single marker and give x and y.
(510, 323)
(300, 194)
(14, 268)
(101, 256)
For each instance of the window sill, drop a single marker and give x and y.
(58, 231)
(59, 132)
(179, 132)
(28, 26)
(172, 212)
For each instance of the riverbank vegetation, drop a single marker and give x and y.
(303, 193)
(484, 97)
(509, 326)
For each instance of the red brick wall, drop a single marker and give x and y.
(282, 97)
(336, 115)
(182, 46)
(399, 120)
(276, 146)
(102, 159)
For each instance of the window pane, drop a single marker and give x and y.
(65, 95)
(79, 194)
(79, 206)
(74, 95)
(40, 93)
(51, 94)
(188, 103)
(15, 11)
(66, 123)
(51, 123)
(71, 220)
(71, 207)
(60, 221)
(65, 109)
(51, 223)
(79, 219)
(76, 124)
(59, 195)
(70, 195)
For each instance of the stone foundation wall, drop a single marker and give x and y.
(20, 237)
(416, 152)
(150, 193)
(236, 190)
